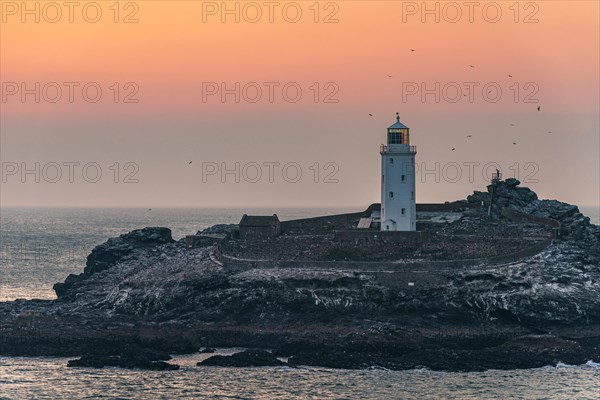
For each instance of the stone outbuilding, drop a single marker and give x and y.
(258, 227)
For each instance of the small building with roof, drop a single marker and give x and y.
(259, 227)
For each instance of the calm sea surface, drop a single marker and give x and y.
(41, 246)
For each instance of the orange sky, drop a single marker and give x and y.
(170, 52)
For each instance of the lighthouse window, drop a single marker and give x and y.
(403, 211)
(391, 195)
(403, 178)
(395, 138)
(412, 195)
(391, 160)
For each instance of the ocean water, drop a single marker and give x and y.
(49, 378)
(41, 246)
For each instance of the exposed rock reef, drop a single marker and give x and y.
(145, 289)
(248, 358)
(130, 357)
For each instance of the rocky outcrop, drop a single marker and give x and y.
(219, 229)
(130, 357)
(244, 359)
(208, 350)
(504, 194)
(115, 250)
(146, 290)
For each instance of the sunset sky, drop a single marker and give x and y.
(353, 59)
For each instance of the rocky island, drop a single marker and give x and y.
(500, 280)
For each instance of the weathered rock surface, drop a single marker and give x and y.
(208, 350)
(219, 229)
(145, 289)
(115, 250)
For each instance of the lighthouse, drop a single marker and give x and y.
(398, 204)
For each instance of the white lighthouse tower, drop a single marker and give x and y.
(398, 204)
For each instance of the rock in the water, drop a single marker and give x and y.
(207, 350)
(333, 359)
(248, 358)
(125, 360)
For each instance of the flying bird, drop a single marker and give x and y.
(539, 108)
(512, 124)
(370, 115)
(189, 162)
(472, 66)
(149, 209)
(510, 76)
(412, 49)
(454, 148)
(514, 142)
(389, 76)
(549, 131)
(469, 135)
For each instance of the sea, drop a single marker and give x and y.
(41, 246)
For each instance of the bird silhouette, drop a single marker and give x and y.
(549, 131)
(512, 124)
(189, 162)
(370, 115)
(149, 209)
(412, 49)
(454, 148)
(389, 76)
(514, 142)
(510, 76)
(539, 108)
(469, 135)
(472, 66)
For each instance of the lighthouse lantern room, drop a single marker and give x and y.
(398, 204)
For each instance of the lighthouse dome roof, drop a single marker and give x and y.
(398, 124)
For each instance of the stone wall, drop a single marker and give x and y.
(327, 219)
(406, 275)
(403, 236)
(389, 266)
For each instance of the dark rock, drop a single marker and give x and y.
(113, 251)
(512, 182)
(219, 229)
(478, 197)
(129, 361)
(248, 358)
(208, 350)
(334, 359)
